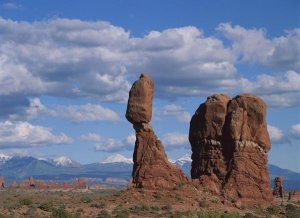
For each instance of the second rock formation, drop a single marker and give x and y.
(230, 142)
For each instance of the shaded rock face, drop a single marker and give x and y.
(151, 167)
(230, 141)
(2, 182)
(278, 187)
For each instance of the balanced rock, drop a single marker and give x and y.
(278, 187)
(2, 182)
(151, 167)
(230, 141)
(139, 107)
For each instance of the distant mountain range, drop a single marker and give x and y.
(114, 170)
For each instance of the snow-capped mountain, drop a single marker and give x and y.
(64, 161)
(4, 158)
(183, 160)
(117, 158)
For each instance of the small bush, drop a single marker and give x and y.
(60, 213)
(47, 206)
(167, 208)
(202, 203)
(5, 216)
(101, 205)
(157, 195)
(273, 210)
(26, 201)
(86, 200)
(104, 214)
(120, 212)
(292, 211)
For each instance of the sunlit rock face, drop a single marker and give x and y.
(230, 141)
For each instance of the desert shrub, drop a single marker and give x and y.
(86, 199)
(182, 214)
(167, 208)
(202, 203)
(47, 206)
(140, 208)
(178, 186)
(104, 214)
(292, 211)
(120, 212)
(60, 213)
(157, 195)
(5, 216)
(25, 201)
(273, 210)
(101, 205)
(250, 215)
(216, 214)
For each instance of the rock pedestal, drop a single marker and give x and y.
(2, 182)
(230, 142)
(278, 187)
(151, 167)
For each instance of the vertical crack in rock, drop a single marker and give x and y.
(230, 141)
(151, 167)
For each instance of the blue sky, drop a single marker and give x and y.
(66, 68)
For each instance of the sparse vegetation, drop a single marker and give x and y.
(104, 214)
(86, 199)
(157, 195)
(120, 212)
(203, 203)
(25, 201)
(47, 206)
(292, 211)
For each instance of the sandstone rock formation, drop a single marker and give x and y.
(2, 182)
(278, 187)
(230, 141)
(14, 185)
(151, 167)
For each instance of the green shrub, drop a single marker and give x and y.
(25, 201)
(292, 211)
(120, 212)
(86, 199)
(47, 206)
(60, 213)
(104, 214)
(5, 216)
(157, 195)
(216, 214)
(273, 210)
(202, 203)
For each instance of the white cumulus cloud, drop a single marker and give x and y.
(174, 140)
(93, 137)
(87, 112)
(294, 131)
(276, 135)
(24, 134)
(177, 111)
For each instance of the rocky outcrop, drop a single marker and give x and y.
(32, 183)
(151, 166)
(2, 182)
(80, 183)
(230, 141)
(278, 187)
(139, 107)
(14, 185)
